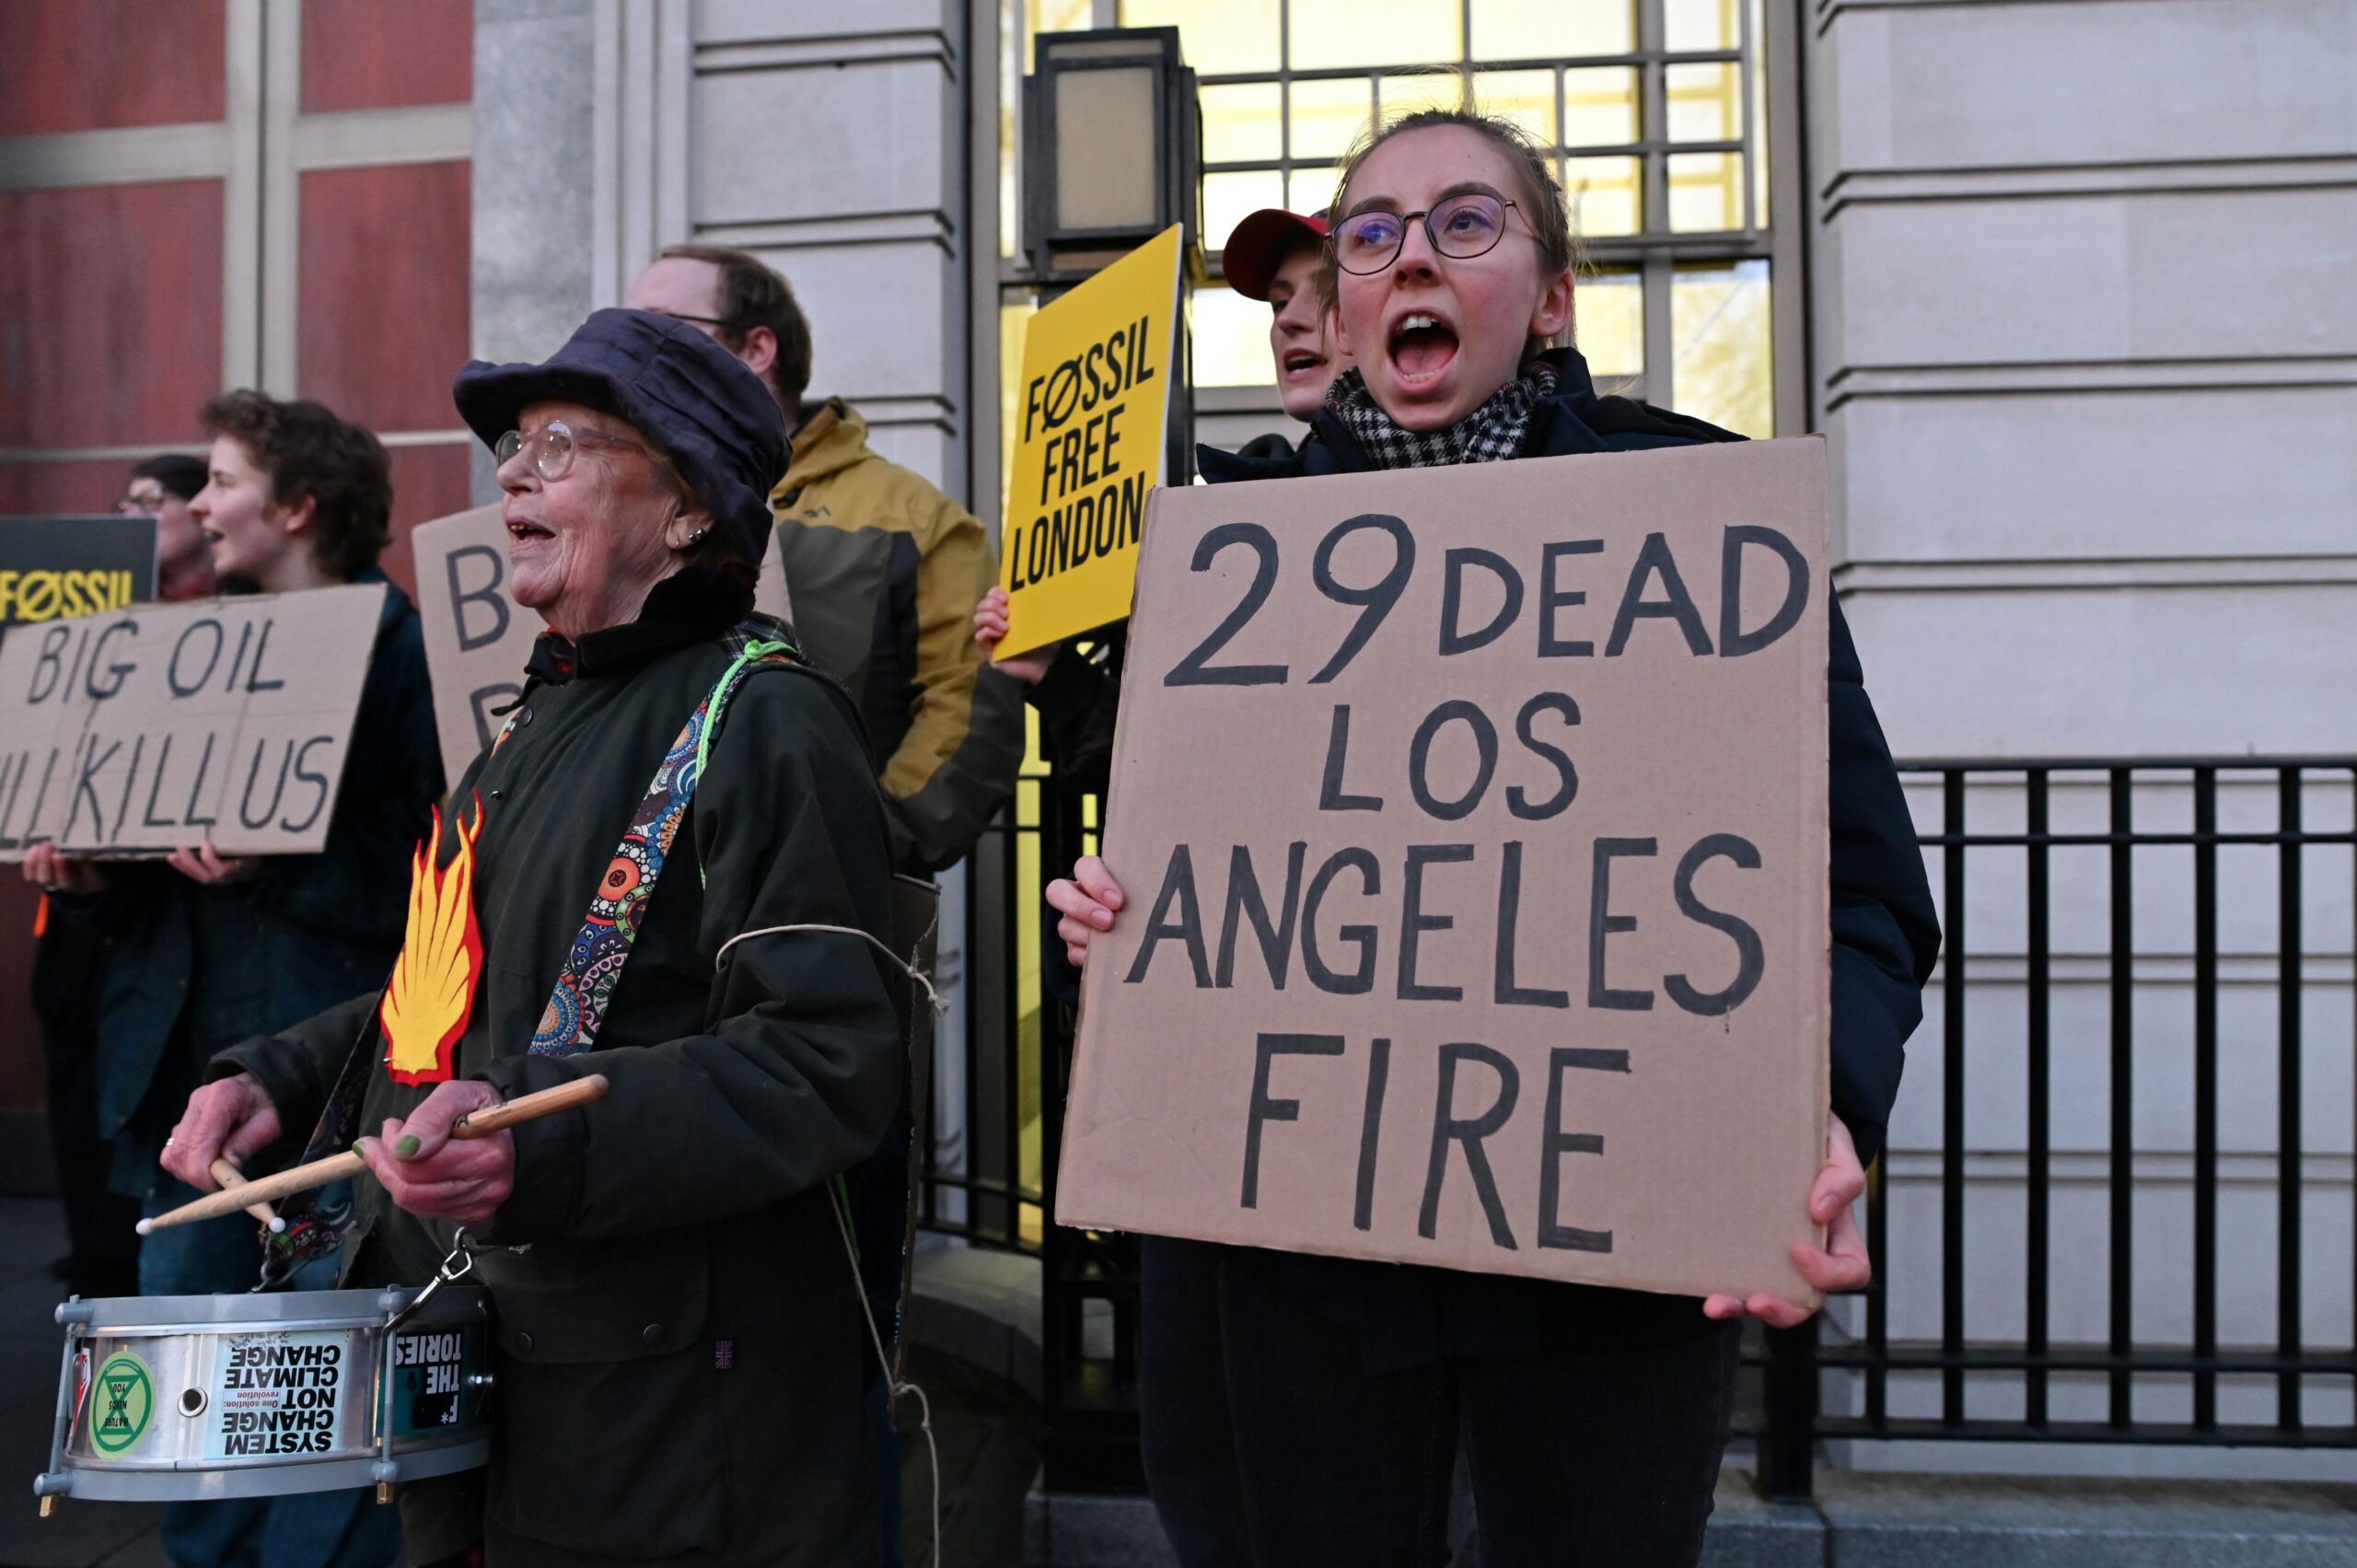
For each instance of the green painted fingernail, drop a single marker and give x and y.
(407, 1146)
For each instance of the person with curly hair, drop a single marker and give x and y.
(208, 950)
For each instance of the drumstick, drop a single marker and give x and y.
(226, 1176)
(336, 1168)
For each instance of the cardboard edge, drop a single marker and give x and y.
(436, 607)
(1092, 979)
(343, 756)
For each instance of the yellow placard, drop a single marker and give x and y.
(1090, 420)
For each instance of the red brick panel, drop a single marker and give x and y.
(109, 313)
(384, 270)
(428, 483)
(82, 486)
(100, 64)
(20, 1058)
(371, 54)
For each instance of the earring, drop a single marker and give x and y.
(697, 537)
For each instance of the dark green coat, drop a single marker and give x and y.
(682, 1360)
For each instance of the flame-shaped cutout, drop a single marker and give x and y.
(432, 991)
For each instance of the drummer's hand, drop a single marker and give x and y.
(1087, 903)
(200, 863)
(227, 1119)
(1841, 1263)
(54, 871)
(436, 1177)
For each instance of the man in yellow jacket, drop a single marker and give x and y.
(884, 570)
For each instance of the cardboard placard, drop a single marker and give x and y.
(54, 568)
(1472, 823)
(1093, 417)
(142, 730)
(478, 637)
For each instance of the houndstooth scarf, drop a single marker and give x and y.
(1490, 434)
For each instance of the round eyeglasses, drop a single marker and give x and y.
(552, 446)
(1461, 228)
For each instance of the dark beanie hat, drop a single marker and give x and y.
(693, 400)
(180, 475)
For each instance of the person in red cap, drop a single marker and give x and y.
(1273, 256)
(1190, 1464)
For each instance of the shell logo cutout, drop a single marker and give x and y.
(433, 990)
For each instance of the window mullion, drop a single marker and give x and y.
(1748, 133)
(1652, 125)
(241, 198)
(1660, 387)
(1788, 220)
(282, 189)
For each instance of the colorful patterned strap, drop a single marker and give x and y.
(577, 1004)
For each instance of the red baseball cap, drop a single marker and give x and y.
(1257, 247)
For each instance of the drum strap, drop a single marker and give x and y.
(317, 1223)
(577, 1006)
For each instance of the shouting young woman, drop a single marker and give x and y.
(1593, 1420)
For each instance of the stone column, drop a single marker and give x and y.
(2085, 346)
(832, 143)
(534, 191)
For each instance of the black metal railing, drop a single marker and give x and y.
(993, 1183)
(2158, 931)
(2199, 881)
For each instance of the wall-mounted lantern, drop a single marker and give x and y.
(1113, 148)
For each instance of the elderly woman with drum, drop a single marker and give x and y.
(680, 1344)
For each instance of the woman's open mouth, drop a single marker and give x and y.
(523, 532)
(1421, 346)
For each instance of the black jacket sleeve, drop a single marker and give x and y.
(297, 1066)
(1886, 931)
(798, 1071)
(1078, 703)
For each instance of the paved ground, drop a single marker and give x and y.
(988, 1435)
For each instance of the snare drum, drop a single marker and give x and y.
(173, 1396)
